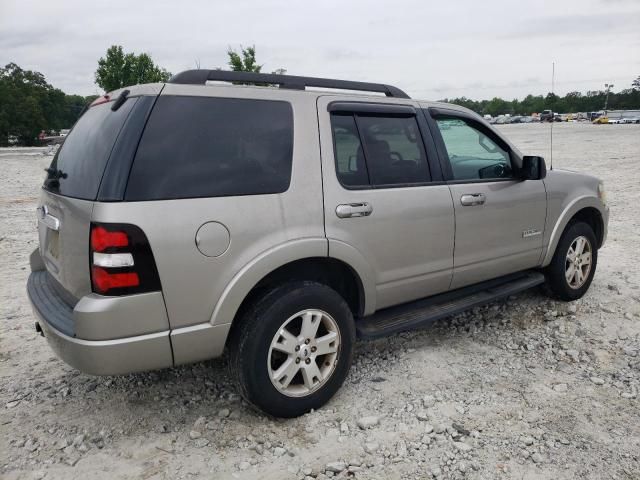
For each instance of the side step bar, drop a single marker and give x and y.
(422, 312)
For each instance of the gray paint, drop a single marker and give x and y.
(402, 251)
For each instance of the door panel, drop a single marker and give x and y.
(500, 236)
(499, 219)
(405, 233)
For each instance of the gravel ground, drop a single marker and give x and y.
(520, 389)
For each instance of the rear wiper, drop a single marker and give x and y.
(120, 100)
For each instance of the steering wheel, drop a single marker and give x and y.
(396, 156)
(497, 170)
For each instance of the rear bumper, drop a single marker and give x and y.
(98, 357)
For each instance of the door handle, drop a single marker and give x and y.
(49, 220)
(472, 199)
(350, 210)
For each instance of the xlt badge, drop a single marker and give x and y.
(530, 233)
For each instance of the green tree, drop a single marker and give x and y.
(28, 105)
(23, 98)
(497, 106)
(118, 69)
(245, 61)
(635, 85)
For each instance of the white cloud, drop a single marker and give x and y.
(431, 50)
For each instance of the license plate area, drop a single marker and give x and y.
(53, 244)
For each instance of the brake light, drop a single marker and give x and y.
(100, 100)
(101, 239)
(103, 281)
(121, 260)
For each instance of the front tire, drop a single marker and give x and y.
(292, 348)
(571, 270)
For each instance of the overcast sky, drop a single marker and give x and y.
(431, 49)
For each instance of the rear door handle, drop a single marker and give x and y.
(472, 199)
(350, 210)
(49, 220)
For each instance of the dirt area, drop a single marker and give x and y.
(521, 389)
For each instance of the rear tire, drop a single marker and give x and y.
(292, 348)
(571, 270)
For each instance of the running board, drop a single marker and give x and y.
(422, 312)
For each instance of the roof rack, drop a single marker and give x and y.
(200, 77)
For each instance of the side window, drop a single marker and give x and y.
(213, 147)
(350, 164)
(378, 151)
(472, 154)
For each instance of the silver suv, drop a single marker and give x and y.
(179, 220)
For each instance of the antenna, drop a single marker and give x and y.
(553, 115)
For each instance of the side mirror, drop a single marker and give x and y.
(533, 168)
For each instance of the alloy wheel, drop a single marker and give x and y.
(578, 262)
(303, 353)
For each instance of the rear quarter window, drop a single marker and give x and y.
(211, 147)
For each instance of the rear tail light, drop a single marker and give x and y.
(122, 262)
(101, 239)
(103, 281)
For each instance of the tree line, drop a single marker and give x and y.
(572, 102)
(29, 104)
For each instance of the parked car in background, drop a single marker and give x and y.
(182, 220)
(628, 120)
(546, 116)
(615, 121)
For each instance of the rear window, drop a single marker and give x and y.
(77, 168)
(211, 147)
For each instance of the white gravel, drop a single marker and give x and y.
(511, 390)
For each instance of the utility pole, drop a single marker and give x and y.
(608, 88)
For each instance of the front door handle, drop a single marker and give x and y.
(350, 210)
(472, 199)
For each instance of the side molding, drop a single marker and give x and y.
(198, 342)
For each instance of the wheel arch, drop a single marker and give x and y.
(301, 260)
(586, 209)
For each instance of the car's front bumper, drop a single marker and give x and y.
(113, 356)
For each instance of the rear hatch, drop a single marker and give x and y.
(70, 189)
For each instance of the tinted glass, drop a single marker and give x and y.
(350, 163)
(77, 168)
(472, 154)
(393, 150)
(210, 147)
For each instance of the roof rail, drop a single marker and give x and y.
(200, 77)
